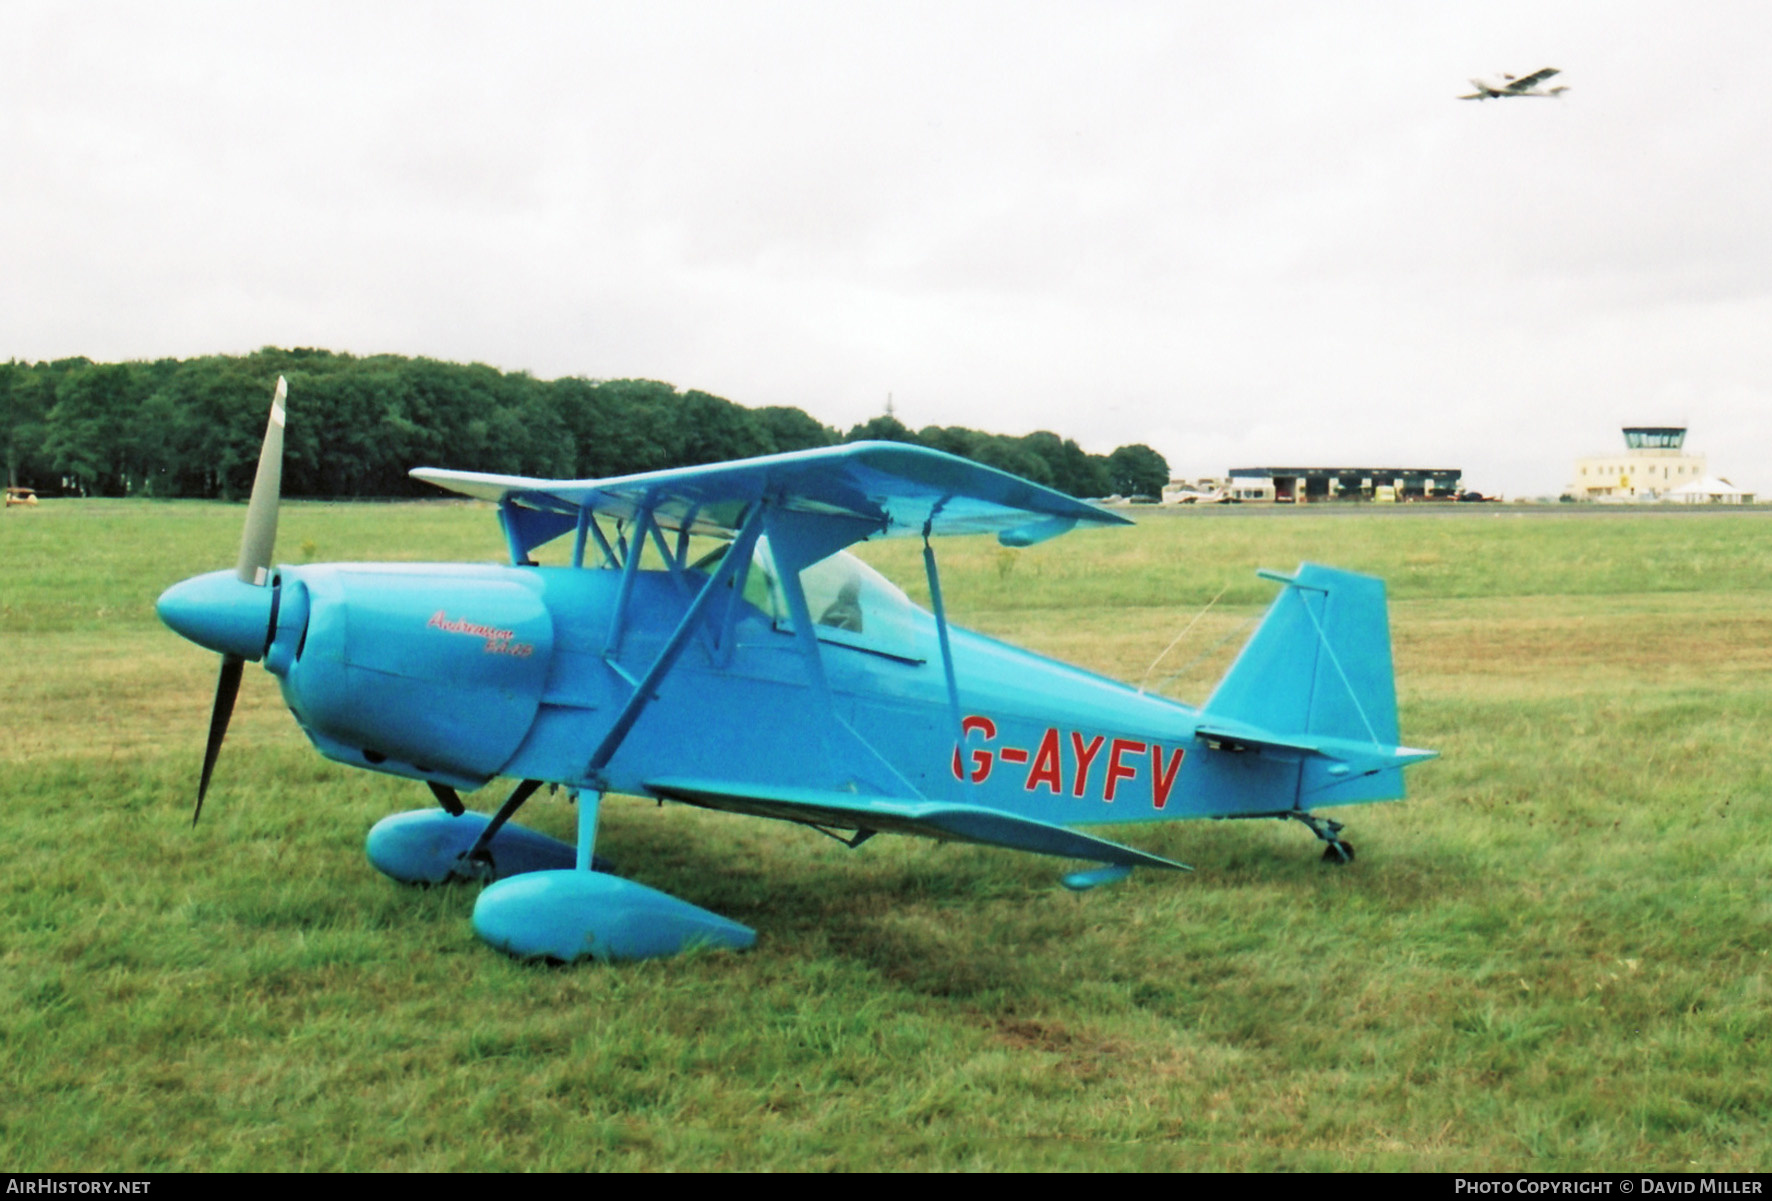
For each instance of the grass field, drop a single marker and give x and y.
(1554, 956)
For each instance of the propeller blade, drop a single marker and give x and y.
(227, 687)
(261, 512)
(254, 567)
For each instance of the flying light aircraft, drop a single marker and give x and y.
(1507, 85)
(776, 675)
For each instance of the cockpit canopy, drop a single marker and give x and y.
(851, 604)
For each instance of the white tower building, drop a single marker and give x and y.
(1652, 464)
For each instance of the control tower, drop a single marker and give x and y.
(1654, 437)
(1654, 463)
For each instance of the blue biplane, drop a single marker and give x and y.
(777, 676)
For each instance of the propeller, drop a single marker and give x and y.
(253, 568)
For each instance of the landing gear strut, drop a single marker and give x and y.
(1335, 850)
(477, 859)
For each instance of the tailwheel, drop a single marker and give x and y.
(1334, 849)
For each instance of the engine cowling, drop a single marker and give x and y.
(435, 669)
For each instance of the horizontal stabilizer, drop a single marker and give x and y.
(1352, 757)
(899, 815)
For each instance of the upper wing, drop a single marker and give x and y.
(880, 488)
(1533, 80)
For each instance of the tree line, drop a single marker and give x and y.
(192, 428)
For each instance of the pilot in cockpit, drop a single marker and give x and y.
(844, 613)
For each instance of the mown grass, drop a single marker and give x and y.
(1553, 956)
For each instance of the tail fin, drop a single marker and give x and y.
(1316, 680)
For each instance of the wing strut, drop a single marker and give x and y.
(673, 564)
(578, 537)
(630, 566)
(941, 633)
(507, 515)
(673, 647)
(587, 525)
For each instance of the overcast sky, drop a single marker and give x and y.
(1246, 234)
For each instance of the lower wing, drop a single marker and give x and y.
(899, 815)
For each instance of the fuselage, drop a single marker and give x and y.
(1501, 89)
(459, 673)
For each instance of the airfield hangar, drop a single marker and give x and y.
(1318, 485)
(1653, 464)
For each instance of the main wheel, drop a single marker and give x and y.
(1338, 852)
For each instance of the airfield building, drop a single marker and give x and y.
(1654, 464)
(1316, 485)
